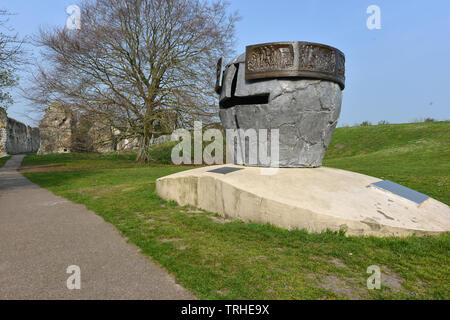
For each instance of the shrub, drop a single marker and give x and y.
(162, 153)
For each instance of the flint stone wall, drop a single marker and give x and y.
(56, 130)
(16, 137)
(101, 138)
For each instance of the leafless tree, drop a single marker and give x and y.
(143, 66)
(10, 58)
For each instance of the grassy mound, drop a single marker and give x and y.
(416, 155)
(219, 259)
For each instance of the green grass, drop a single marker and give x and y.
(79, 161)
(3, 160)
(416, 155)
(217, 259)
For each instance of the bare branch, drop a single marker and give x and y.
(147, 66)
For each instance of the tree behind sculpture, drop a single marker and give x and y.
(145, 66)
(10, 58)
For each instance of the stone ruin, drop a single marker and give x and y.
(295, 87)
(56, 130)
(64, 131)
(16, 137)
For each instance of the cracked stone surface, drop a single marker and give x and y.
(56, 129)
(305, 111)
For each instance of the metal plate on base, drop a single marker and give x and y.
(401, 191)
(225, 170)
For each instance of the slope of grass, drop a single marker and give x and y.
(416, 155)
(3, 160)
(219, 259)
(352, 141)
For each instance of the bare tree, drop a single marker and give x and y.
(10, 58)
(143, 66)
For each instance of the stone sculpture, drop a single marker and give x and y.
(295, 87)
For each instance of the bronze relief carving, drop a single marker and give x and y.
(295, 59)
(314, 58)
(341, 66)
(271, 57)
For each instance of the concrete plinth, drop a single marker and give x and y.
(315, 199)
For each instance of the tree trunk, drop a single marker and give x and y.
(143, 154)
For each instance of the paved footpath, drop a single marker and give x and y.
(41, 235)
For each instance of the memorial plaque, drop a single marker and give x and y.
(295, 60)
(401, 191)
(225, 170)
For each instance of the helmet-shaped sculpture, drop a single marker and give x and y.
(295, 87)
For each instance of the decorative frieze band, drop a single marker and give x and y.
(295, 59)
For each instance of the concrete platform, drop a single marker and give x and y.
(313, 199)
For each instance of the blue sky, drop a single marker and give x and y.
(397, 73)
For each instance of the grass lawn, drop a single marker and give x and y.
(416, 155)
(3, 160)
(219, 259)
